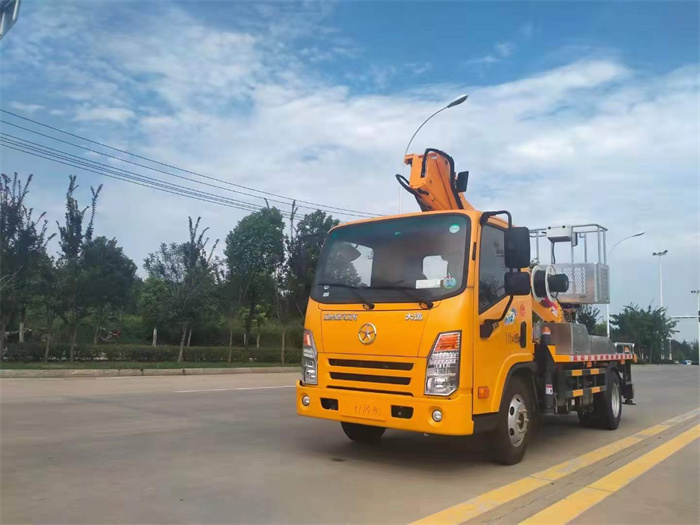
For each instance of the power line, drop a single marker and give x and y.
(316, 205)
(165, 187)
(155, 169)
(17, 141)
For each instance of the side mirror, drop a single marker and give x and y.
(517, 247)
(517, 283)
(462, 181)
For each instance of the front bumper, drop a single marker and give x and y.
(388, 410)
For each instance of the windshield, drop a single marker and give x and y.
(414, 259)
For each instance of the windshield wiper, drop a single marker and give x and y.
(354, 289)
(407, 291)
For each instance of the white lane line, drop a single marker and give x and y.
(231, 389)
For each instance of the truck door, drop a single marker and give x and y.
(494, 355)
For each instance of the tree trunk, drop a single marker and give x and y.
(22, 316)
(257, 339)
(182, 344)
(73, 342)
(3, 325)
(155, 335)
(94, 336)
(249, 321)
(189, 338)
(284, 334)
(48, 343)
(230, 343)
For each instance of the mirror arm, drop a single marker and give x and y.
(488, 214)
(486, 328)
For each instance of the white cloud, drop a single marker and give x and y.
(26, 108)
(119, 115)
(592, 141)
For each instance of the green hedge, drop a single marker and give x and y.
(32, 352)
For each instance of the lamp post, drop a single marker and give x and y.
(607, 306)
(661, 280)
(697, 294)
(661, 286)
(455, 102)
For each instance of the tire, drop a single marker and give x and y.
(609, 407)
(363, 433)
(508, 442)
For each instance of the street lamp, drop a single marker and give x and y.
(697, 294)
(661, 289)
(661, 281)
(607, 306)
(455, 102)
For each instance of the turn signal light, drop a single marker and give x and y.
(449, 341)
(442, 371)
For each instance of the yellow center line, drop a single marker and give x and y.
(483, 503)
(579, 502)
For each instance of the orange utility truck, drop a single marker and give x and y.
(439, 322)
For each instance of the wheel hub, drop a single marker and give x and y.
(615, 401)
(517, 420)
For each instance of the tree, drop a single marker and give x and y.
(154, 304)
(111, 276)
(648, 329)
(22, 244)
(254, 252)
(46, 300)
(304, 248)
(74, 241)
(588, 315)
(187, 275)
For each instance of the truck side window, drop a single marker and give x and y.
(492, 268)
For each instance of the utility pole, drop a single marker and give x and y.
(661, 288)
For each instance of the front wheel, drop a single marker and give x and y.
(507, 443)
(363, 433)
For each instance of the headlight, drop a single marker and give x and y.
(308, 360)
(442, 373)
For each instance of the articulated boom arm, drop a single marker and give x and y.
(433, 182)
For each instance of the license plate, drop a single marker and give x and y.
(363, 410)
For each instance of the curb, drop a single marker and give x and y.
(132, 372)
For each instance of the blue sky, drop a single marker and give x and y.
(578, 112)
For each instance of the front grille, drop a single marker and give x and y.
(354, 372)
(389, 380)
(379, 365)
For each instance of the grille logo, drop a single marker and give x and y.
(367, 333)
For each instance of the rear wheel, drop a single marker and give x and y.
(363, 433)
(507, 443)
(607, 406)
(610, 408)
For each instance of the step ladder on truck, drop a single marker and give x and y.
(440, 322)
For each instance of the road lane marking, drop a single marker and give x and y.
(564, 511)
(494, 498)
(232, 389)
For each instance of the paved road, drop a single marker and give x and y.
(230, 449)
